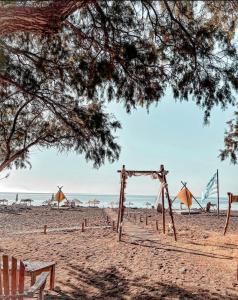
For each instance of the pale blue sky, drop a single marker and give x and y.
(172, 134)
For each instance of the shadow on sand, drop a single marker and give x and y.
(111, 284)
(167, 247)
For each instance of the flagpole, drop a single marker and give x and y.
(218, 196)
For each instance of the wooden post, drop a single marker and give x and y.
(120, 200)
(228, 212)
(156, 225)
(237, 271)
(218, 197)
(123, 173)
(169, 201)
(163, 212)
(108, 220)
(45, 228)
(85, 223)
(141, 220)
(113, 225)
(135, 218)
(83, 227)
(146, 220)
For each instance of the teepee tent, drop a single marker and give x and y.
(59, 196)
(186, 197)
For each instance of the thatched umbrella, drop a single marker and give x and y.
(77, 201)
(3, 201)
(95, 202)
(26, 201)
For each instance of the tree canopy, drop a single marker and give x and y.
(62, 59)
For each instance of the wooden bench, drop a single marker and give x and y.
(12, 281)
(35, 268)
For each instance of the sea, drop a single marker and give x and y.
(140, 201)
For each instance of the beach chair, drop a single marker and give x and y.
(231, 199)
(12, 281)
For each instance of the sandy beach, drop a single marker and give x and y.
(145, 265)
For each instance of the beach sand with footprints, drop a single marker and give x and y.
(147, 264)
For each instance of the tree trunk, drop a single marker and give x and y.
(35, 19)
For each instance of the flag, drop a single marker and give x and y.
(211, 188)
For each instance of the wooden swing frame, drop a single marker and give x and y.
(161, 176)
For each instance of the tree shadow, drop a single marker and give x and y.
(157, 245)
(90, 284)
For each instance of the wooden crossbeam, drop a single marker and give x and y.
(142, 172)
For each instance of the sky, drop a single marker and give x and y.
(172, 134)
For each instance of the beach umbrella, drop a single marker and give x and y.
(148, 204)
(3, 201)
(95, 202)
(28, 200)
(59, 196)
(77, 201)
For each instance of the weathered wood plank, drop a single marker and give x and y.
(21, 279)
(14, 276)
(5, 274)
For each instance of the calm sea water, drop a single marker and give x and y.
(107, 200)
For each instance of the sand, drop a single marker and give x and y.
(147, 264)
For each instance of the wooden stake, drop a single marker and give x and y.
(157, 225)
(45, 228)
(135, 218)
(83, 227)
(85, 223)
(237, 271)
(146, 220)
(108, 220)
(113, 225)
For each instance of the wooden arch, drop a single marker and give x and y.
(161, 176)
